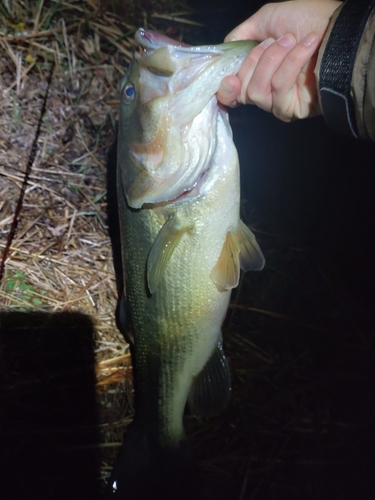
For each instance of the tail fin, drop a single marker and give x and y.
(144, 469)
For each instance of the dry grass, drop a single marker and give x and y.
(60, 256)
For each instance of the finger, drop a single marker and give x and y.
(247, 69)
(259, 89)
(229, 90)
(230, 87)
(285, 92)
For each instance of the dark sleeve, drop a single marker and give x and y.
(345, 70)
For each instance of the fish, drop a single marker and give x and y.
(183, 246)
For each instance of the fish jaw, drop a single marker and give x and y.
(171, 136)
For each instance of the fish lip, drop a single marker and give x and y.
(149, 39)
(152, 40)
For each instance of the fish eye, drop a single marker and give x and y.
(128, 93)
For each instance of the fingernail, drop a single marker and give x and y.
(266, 43)
(287, 41)
(310, 39)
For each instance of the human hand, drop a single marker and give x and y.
(278, 74)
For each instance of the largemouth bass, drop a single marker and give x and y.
(183, 243)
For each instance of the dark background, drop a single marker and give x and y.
(303, 406)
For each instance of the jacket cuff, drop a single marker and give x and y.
(336, 62)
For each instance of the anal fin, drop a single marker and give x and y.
(211, 388)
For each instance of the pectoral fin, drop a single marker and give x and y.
(240, 251)
(226, 272)
(162, 250)
(211, 389)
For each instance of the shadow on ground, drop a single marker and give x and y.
(49, 419)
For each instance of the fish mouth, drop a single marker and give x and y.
(164, 56)
(184, 175)
(177, 87)
(149, 39)
(188, 195)
(152, 40)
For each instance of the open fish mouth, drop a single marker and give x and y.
(161, 53)
(178, 115)
(149, 39)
